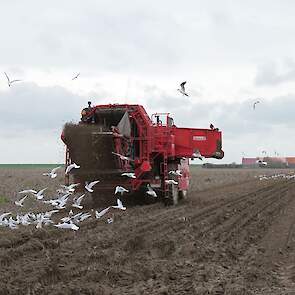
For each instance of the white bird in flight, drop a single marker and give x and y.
(70, 188)
(129, 174)
(77, 202)
(171, 181)
(119, 205)
(75, 77)
(52, 173)
(20, 202)
(90, 185)
(101, 213)
(39, 194)
(28, 191)
(121, 190)
(84, 216)
(67, 226)
(151, 192)
(176, 172)
(123, 158)
(72, 166)
(182, 89)
(9, 82)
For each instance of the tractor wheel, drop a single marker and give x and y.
(173, 194)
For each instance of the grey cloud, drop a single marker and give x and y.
(270, 74)
(236, 119)
(137, 37)
(30, 113)
(27, 106)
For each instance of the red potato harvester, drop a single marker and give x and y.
(119, 138)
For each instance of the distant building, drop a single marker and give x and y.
(272, 162)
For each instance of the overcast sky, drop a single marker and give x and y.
(231, 53)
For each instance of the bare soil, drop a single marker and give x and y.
(233, 235)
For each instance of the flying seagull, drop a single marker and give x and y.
(75, 77)
(182, 89)
(72, 166)
(255, 103)
(69, 188)
(176, 173)
(52, 173)
(67, 226)
(123, 158)
(89, 186)
(39, 194)
(119, 205)
(130, 175)
(171, 181)
(121, 190)
(28, 191)
(20, 202)
(101, 213)
(77, 202)
(9, 82)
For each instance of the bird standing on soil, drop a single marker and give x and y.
(71, 166)
(20, 202)
(121, 190)
(182, 89)
(90, 185)
(10, 82)
(52, 173)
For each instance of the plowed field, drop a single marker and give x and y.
(234, 234)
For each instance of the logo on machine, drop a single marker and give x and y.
(199, 138)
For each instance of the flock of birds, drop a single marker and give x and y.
(276, 176)
(10, 81)
(76, 76)
(61, 202)
(71, 221)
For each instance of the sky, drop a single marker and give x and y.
(231, 53)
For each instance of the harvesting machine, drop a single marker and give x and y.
(114, 139)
